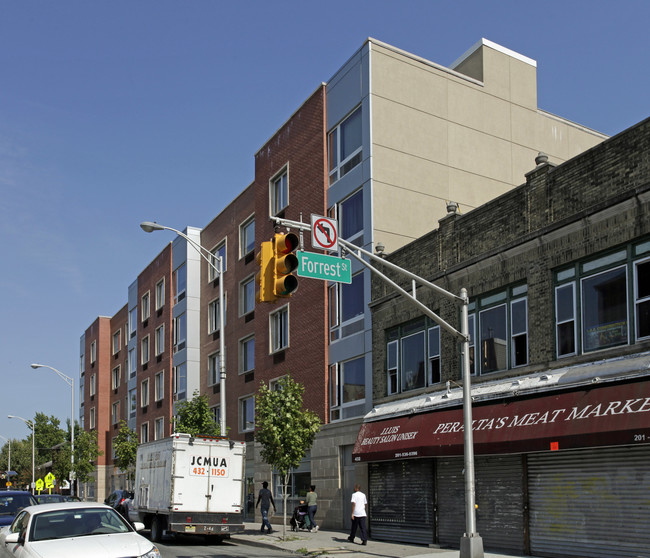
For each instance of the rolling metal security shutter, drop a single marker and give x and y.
(593, 503)
(500, 515)
(400, 500)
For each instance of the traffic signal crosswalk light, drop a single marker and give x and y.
(285, 283)
(264, 277)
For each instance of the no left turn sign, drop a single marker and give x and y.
(324, 233)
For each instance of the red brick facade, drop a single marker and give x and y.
(299, 147)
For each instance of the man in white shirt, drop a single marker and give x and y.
(359, 504)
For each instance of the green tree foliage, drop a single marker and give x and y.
(86, 452)
(21, 461)
(285, 430)
(53, 444)
(126, 449)
(48, 435)
(195, 418)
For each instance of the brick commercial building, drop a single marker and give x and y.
(558, 275)
(381, 147)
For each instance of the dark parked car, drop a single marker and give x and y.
(119, 500)
(11, 502)
(50, 498)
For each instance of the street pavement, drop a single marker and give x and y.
(326, 542)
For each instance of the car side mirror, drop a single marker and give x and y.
(13, 538)
(138, 526)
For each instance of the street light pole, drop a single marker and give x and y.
(70, 381)
(29, 423)
(148, 226)
(9, 460)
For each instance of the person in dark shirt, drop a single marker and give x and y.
(266, 498)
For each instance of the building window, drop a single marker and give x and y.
(594, 302)
(642, 298)
(91, 418)
(247, 354)
(499, 322)
(133, 363)
(93, 380)
(117, 341)
(413, 356)
(213, 315)
(144, 393)
(247, 295)
(159, 386)
(133, 316)
(144, 350)
(279, 192)
(347, 389)
(180, 382)
(160, 340)
(218, 252)
(279, 329)
(180, 283)
(115, 378)
(144, 432)
(115, 413)
(133, 403)
(179, 332)
(247, 414)
(213, 369)
(247, 237)
(159, 428)
(346, 307)
(344, 146)
(216, 414)
(160, 294)
(93, 352)
(145, 306)
(349, 213)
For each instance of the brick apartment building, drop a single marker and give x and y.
(558, 275)
(381, 147)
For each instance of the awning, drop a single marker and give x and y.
(612, 415)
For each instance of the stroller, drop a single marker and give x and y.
(300, 518)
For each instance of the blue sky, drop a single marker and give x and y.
(116, 112)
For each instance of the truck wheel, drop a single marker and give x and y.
(157, 528)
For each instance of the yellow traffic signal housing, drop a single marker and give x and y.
(265, 275)
(286, 262)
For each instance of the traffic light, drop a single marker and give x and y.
(285, 283)
(264, 277)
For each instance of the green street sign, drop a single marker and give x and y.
(321, 266)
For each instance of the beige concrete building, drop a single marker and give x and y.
(405, 137)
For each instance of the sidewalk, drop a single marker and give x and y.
(335, 543)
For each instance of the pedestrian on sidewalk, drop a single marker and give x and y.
(311, 501)
(359, 504)
(266, 498)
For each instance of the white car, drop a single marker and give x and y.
(73, 530)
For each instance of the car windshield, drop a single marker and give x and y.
(11, 504)
(63, 524)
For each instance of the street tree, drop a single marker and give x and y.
(126, 449)
(48, 435)
(86, 452)
(285, 430)
(21, 462)
(195, 418)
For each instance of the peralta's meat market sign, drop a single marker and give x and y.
(611, 415)
(613, 408)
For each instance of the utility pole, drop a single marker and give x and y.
(471, 543)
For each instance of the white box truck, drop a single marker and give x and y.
(191, 485)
